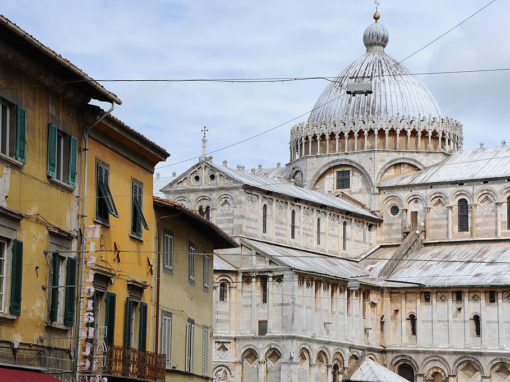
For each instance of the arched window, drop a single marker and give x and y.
(476, 320)
(344, 236)
(318, 231)
(264, 218)
(293, 224)
(406, 371)
(223, 291)
(201, 211)
(208, 212)
(412, 321)
(463, 215)
(508, 213)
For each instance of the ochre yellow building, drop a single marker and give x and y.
(183, 299)
(118, 255)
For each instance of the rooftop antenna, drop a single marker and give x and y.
(204, 143)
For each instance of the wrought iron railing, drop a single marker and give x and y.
(127, 362)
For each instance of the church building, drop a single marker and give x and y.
(380, 243)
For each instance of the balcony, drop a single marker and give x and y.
(134, 363)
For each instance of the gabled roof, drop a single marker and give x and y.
(219, 237)
(487, 163)
(276, 186)
(307, 261)
(54, 62)
(369, 370)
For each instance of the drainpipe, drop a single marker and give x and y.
(158, 275)
(86, 132)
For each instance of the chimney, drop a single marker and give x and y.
(224, 163)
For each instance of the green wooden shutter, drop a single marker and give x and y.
(16, 277)
(110, 318)
(70, 292)
(73, 152)
(54, 291)
(142, 334)
(128, 323)
(52, 150)
(21, 135)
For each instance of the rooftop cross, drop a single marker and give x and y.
(204, 143)
(204, 130)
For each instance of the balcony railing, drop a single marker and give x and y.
(134, 363)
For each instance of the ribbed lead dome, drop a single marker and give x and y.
(395, 90)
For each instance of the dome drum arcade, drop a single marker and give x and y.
(400, 114)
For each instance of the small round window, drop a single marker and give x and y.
(196, 178)
(212, 177)
(394, 210)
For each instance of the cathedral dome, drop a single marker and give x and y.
(395, 90)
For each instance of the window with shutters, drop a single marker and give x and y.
(105, 206)
(16, 277)
(206, 272)
(132, 323)
(190, 342)
(191, 263)
(205, 351)
(61, 291)
(463, 215)
(12, 131)
(3, 274)
(142, 327)
(343, 179)
(137, 219)
(168, 251)
(62, 156)
(166, 337)
(110, 307)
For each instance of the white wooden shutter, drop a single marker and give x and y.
(166, 338)
(205, 351)
(168, 249)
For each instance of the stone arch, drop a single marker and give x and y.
(222, 373)
(504, 193)
(340, 162)
(226, 203)
(338, 357)
(321, 366)
(353, 359)
(397, 365)
(250, 370)
(406, 160)
(326, 352)
(273, 365)
(411, 199)
(459, 361)
(461, 194)
(372, 356)
(304, 364)
(468, 369)
(436, 362)
(184, 201)
(389, 199)
(246, 347)
(271, 345)
(500, 371)
(497, 360)
(204, 205)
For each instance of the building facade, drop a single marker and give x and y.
(183, 290)
(381, 239)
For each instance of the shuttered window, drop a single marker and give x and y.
(205, 351)
(142, 333)
(206, 272)
(3, 274)
(191, 263)
(105, 204)
(463, 215)
(168, 251)
(55, 276)
(190, 341)
(70, 293)
(16, 277)
(128, 322)
(166, 337)
(62, 156)
(13, 131)
(343, 179)
(137, 218)
(110, 304)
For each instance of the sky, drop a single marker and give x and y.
(163, 39)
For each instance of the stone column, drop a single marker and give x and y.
(398, 138)
(472, 208)
(409, 139)
(501, 332)
(419, 140)
(365, 133)
(498, 218)
(291, 148)
(376, 133)
(386, 132)
(327, 144)
(356, 141)
(439, 140)
(449, 222)
(346, 137)
(262, 371)
(430, 140)
(329, 371)
(427, 213)
(303, 148)
(403, 318)
(253, 307)
(318, 144)
(309, 145)
(336, 142)
(483, 320)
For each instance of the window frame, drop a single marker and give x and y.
(344, 236)
(104, 195)
(259, 331)
(463, 215)
(4, 260)
(223, 296)
(318, 231)
(168, 254)
(166, 341)
(343, 179)
(264, 218)
(264, 289)
(293, 224)
(190, 344)
(138, 222)
(206, 272)
(191, 263)
(15, 131)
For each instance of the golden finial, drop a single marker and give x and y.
(377, 16)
